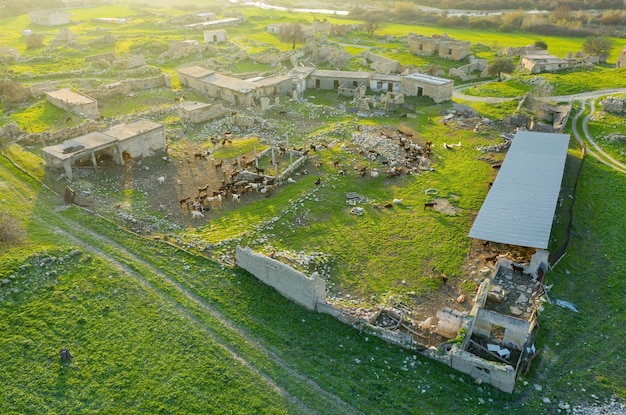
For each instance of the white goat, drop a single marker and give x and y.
(397, 201)
(374, 173)
(196, 214)
(290, 180)
(161, 179)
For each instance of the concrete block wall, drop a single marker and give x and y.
(293, 284)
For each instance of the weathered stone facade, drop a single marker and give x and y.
(75, 102)
(444, 46)
(417, 84)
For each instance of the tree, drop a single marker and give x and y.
(291, 32)
(372, 22)
(598, 46)
(541, 44)
(500, 65)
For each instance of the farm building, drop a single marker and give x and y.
(418, 84)
(215, 36)
(197, 112)
(444, 46)
(234, 90)
(74, 102)
(326, 79)
(541, 61)
(520, 206)
(122, 142)
(380, 82)
(53, 17)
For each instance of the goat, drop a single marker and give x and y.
(258, 170)
(204, 189)
(196, 214)
(443, 277)
(313, 148)
(219, 164)
(290, 180)
(318, 181)
(68, 120)
(447, 146)
(491, 259)
(336, 164)
(397, 201)
(161, 179)
(282, 112)
(517, 268)
(199, 156)
(374, 173)
(184, 201)
(236, 197)
(403, 115)
(281, 150)
(430, 205)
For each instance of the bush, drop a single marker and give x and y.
(11, 230)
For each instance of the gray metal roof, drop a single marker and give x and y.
(520, 206)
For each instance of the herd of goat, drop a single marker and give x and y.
(242, 175)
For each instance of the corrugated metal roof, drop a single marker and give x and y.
(520, 206)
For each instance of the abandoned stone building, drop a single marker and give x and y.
(333, 80)
(74, 102)
(381, 82)
(197, 112)
(539, 61)
(444, 46)
(232, 90)
(215, 36)
(419, 84)
(120, 143)
(55, 17)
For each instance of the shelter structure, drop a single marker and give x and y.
(122, 142)
(419, 84)
(381, 82)
(541, 61)
(333, 80)
(519, 208)
(215, 36)
(74, 101)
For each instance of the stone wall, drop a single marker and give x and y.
(128, 85)
(304, 290)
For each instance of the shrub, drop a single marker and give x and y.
(11, 230)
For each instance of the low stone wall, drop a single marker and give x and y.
(126, 86)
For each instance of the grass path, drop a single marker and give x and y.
(231, 338)
(333, 403)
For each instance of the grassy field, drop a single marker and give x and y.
(155, 329)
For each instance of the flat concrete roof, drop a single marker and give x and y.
(124, 131)
(323, 73)
(229, 82)
(195, 71)
(270, 80)
(71, 97)
(428, 79)
(80, 146)
(218, 22)
(386, 77)
(519, 208)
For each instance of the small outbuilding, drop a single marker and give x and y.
(75, 102)
(419, 84)
(215, 36)
(119, 143)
